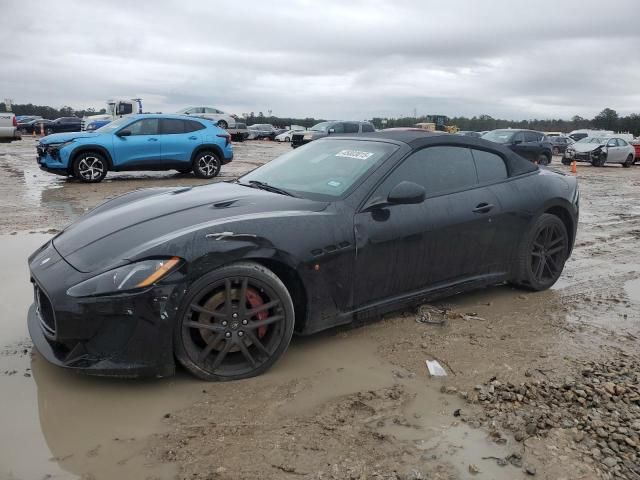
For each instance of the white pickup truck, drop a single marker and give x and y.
(8, 127)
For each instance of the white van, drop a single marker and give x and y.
(8, 127)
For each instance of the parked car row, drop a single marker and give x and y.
(59, 125)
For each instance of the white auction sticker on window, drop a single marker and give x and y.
(360, 155)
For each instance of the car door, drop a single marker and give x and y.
(179, 140)
(445, 239)
(613, 151)
(518, 145)
(138, 145)
(625, 151)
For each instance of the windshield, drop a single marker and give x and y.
(499, 136)
(322, 126)
(592, 140)
(111, 126)
(322, 170)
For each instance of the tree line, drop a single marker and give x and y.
(50, 112)
(607, 119)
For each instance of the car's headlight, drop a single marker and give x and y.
(60, 145)
(124, 279)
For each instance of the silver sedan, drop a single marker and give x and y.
(600, 150)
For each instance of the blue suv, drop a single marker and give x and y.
(138, 142)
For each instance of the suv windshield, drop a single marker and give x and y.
(111, 126)
(499, 136)
(321, 127)
(322, 170)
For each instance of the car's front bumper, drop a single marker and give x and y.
(127, 335)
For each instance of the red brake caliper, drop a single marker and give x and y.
(255, 300)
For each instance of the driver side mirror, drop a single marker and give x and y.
(517, 142)
(124, 133)
(406, 193)
(332, 130)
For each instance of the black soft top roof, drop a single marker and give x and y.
(516, 164)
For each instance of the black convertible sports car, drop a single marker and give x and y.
(220, 276)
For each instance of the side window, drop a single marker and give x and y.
(490, 167)
(622, 143)
(209, 110)
(530, 137)
(437, 169)
(171, 126)
(148, 126)
(191, 126)
(367, 128)
(612, 143)
(338, 127)
(518, 137)
(350, 128)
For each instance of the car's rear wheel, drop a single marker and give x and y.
(542, 254)
(90, 167)
(628, 162)
(556, 151)
(206, 164)
(543, 159)
(222, 124)
(235, 323)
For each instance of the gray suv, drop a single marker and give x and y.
(324, 129)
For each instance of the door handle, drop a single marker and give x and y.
(152, 140)
(482, 208)
(193, 138)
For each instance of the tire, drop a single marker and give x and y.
(231, 347)
(90, 167)
(287, 139)
(543, 159)
(602, 159)
(222, 124)
(529, 273)
(555, 151)
(206, 164)
(566, 161)
(628, 162)
(184, 171)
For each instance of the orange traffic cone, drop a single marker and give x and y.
(574, 168)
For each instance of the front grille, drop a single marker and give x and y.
(297, 139)
(44, 310)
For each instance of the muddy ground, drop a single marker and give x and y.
(542, 385)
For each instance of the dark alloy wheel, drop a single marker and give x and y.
(90, 167)
(222, 124)
(206, 165)
(566, 161)
(628, 162)
(235, 323)
(600, 161)
(543, 159)
(543, 253)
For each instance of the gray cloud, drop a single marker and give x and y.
(327, 59)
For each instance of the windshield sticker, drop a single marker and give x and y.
(360, 155)
(333, 183)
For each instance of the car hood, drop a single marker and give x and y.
(125, 228)
(65, 137)
(586, 147)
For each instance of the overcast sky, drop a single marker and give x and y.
(329, 59)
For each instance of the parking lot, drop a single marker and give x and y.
(351, 403)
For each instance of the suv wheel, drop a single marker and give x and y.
(90, 167)
(543, 159)
(206, 164)
(222, 124)
(628, 162)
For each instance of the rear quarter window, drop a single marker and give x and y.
(490, 167)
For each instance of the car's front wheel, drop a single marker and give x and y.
(222, 124)
(628, 162)
(206, 165)
(542, 254)
(90, 167)
(235, 322)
